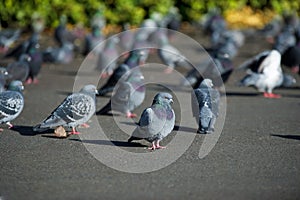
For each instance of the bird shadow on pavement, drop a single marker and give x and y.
(27, 130)
(176, 127)
(111, 143)
(292, 137)
(245, 94)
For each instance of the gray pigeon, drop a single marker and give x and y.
(11, 103)
(19, 70)
(169, 54)
(3, 78)
(156, 122)
(107, 61)
(75, 110)
(129, 94)
(207, 98)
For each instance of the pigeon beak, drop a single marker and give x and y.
(171, 101)
(142, 77)
(96, 91)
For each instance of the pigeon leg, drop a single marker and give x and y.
(295, 69)
(28, 81)
(85, 125)
(1, 129)
(131, 115)
(169, 70)
(153, 147)
(104, 75)
(74, 132)
(9, 125)
(35, 81)
(272, 95)
(158, 146)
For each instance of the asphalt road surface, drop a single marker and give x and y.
(255, 155)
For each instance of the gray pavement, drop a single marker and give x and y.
(256, 156)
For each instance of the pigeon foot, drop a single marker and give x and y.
(74, 132)
(169, 70)
(272, 95)
(85, 125)
(131, 115)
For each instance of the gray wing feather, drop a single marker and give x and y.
(11, 105)
(74, 110)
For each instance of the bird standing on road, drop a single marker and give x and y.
(156, 122)
(11, 103)
(75, 110)
(205, 106)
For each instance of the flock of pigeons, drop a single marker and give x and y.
(125, 79)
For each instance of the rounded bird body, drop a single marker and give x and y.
(11, 103)
(156, 122)
(75, 110)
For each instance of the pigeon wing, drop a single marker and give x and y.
(72, 110)
(11, 105)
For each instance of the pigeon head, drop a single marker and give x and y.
(3, 71)
(207, 83)
(162, 98)
(16, 85)
(89, 89)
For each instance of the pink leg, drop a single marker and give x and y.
(35, 81)
(272, 95)
(74, 132)
(158, 146)
(153, 147)
(1, 129)
(85, 125)
(295, 69)
(169, 70)
(28, 81)
(131, 115)
(9, 125)
(104, 75)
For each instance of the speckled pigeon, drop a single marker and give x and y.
(205, 106)
(75, 110)
(11, 103)
(156, 122)
(128, 95)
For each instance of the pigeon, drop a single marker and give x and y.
(107, 61)
(19, 70)
(75, 110)
(169, 54)
(156, 122)
(128, 95)
(98, 19)
(7, 38)
(264, 73)
(3, 78)
(205, 106)
(24, 47)
(35, 63)
(126, 37)
(285, 39)
(214, 25)
(136, 58)
(219, 65)
(60, 55)
(92, 40)
(11, 103)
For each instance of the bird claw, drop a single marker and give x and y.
(74, 133)
(272, 95)
(85, 125)
(131, 115)
(169, 70)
